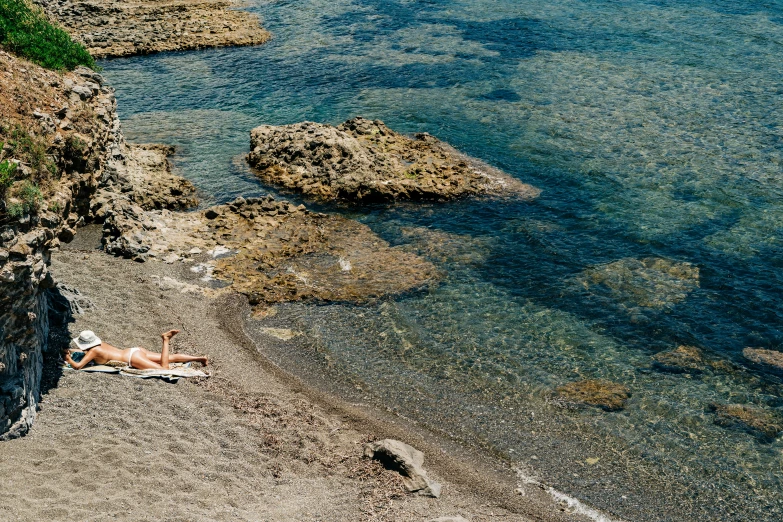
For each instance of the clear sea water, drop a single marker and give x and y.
(654, 129)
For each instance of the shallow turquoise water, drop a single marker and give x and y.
(655, 130)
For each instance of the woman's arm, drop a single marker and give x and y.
(89, 355)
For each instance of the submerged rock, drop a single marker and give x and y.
(607, 395)
(651, 282)
(771, 359)
(683, 359)
(408, 461)
(762, 423)
(364, 160)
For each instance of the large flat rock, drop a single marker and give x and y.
(110, 28)
(363, 160)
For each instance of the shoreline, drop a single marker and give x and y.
(244, 381)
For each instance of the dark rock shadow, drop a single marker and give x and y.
(63, 303)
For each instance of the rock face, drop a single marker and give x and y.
(124, 28)
(408, 461)
(683, 359)
(72, 118)
(93, 175)
(651, 282)
(603, 394)
(770, 359)
(764, 424)
(363, 160)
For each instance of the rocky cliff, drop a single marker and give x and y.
(62, 150)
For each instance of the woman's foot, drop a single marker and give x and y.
(168, 335)
(202, 360)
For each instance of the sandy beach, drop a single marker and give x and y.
(250, 443)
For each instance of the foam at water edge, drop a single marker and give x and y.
(573, 505)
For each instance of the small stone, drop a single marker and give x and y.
(84, 92)
(19, 251)
(211, 213)
(408, 461)
(194, 251)
(66, 235)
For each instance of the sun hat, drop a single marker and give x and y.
(86, 340)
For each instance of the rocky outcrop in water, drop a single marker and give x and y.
(764, 424)
(607, 395)
(124, 28)
(271, 250)
(363, 160)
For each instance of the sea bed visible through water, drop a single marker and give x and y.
(654, 132)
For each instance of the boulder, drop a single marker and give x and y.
(607, 395)
(406, 460)
(363, 160)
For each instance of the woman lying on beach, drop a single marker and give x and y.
(96, 350)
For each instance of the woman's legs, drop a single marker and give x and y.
(164, 352)
(174, 357)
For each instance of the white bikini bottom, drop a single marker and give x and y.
(130, 355)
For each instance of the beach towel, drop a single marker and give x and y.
(173, 374)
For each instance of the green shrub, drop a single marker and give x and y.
(31, 150)
(75, 145)
(7, 172)
(29, 198)
(25, 31)
(15, 210)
